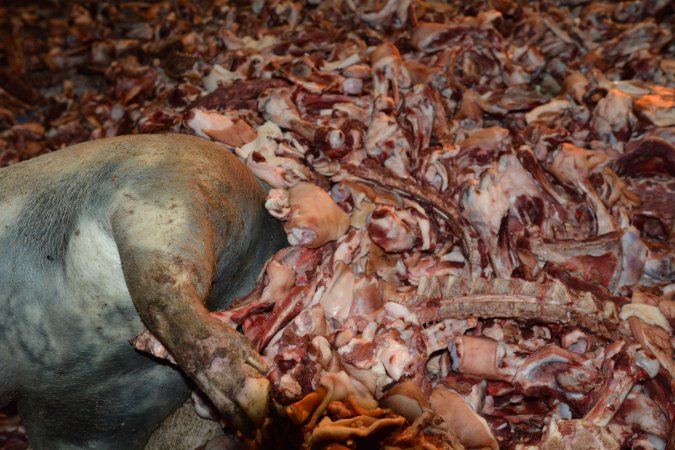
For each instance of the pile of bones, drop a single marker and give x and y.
(479, 199)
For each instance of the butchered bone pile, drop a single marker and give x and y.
(479, 202)
(480, 211)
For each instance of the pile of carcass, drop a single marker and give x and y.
(480, 204)
(481, 227)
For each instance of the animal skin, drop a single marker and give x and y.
(104, 239)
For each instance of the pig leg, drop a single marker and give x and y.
(170, 279)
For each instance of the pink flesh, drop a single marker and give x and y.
(468, 212)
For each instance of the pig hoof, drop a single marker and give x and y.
(253, 397)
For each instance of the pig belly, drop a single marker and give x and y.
(65, 326)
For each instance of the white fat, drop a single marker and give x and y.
(352, 111)
(336, 138)
(317, 296)
(277, 171)
(352, 86)
(554, 107)
(339, 295)
(288, 386)
(495, 332)
(651, 315)
(455, 255)
(552, 433)
(488, 201)
(398, 161)
(398, 311)
(303, 324)
(382, 132)
(612, 113)
(369, 331)
(342, 64)
(292, 146)
(202, 120)
(217, 75)
(265, 142)
(515, 179)
(501, 353)
(324, 348)
(632, 89)
(394, 357)
(278, 203)
(424, 225)
(649, 365)
(300, 236)
(669, 290)
(258, 44)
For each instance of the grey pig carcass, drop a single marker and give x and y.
(104, 239)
